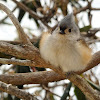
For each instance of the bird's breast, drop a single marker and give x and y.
(62, 54)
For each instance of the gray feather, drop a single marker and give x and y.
(68, 22)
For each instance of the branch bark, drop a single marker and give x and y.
(80, 10)
(14, 50)
(50, 76)
(38, 77)
(17, 62)
(22, 6)
(17, 92)
(80, 82)
(26, 53)
(2, 20)
(31, 78)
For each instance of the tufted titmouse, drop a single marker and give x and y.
(64, 47)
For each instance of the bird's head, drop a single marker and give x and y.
(67, 27)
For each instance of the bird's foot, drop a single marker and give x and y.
(68, 74)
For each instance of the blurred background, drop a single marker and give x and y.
(37, 16)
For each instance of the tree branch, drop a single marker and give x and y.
(80, 10)
(95, 8)
(80, 82)
(14, 50)
(32, 13)
(26, 53)
(44, 77)
(22, 6)
(17, 62)
(85, 8)
(17, 92)
(38, 77)
(31, 78)
(17, 42)
(24, 39)
(2, 20)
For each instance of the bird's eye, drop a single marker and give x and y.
(69, 30)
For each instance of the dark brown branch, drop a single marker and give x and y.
(17, 92)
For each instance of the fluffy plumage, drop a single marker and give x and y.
(64, 47)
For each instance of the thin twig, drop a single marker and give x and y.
(44, 87)
(95, 9)
(85, 8)
(22, 6)
(31, 12)
(93, 41)
(80, 10)
(7, 16)
(29, 87)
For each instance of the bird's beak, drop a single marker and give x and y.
(62, 32)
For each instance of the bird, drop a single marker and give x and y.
(64, 47)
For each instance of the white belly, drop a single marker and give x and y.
(63, 55)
